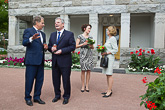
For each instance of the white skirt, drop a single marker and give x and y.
(109, 70)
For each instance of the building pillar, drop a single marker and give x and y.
(66, 21)
(159, 34)
(125, 30)
(93, 20)
(13, 32)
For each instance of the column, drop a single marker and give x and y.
(66, 21)
(12, 30)
(93, 20)
(159, 34)
(125, 30)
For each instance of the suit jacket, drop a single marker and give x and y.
(66, 44)
(34, 50)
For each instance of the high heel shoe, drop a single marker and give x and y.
(105, 92)
(105, 96)
(82, 90)
(87, 90)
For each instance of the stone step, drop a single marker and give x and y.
(118, 70)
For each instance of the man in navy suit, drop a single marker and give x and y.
(35, 42)
(61, 43)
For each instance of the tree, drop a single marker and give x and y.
(4, 18)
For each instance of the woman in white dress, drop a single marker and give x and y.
(86, 55)
(112, 48)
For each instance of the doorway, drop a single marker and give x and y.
(105, 36)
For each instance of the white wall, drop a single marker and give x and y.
(140, 31)
(76, 23)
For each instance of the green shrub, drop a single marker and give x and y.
(154, 98)
(142, 62)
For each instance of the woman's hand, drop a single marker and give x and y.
(91, 46)
(85, 43)
(104, 53)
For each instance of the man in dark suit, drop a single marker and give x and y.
(35, 42)
(61, 43)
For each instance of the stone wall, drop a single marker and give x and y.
(58, 7)
(125, 56)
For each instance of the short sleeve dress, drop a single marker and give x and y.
(111, 45)
(86, 55)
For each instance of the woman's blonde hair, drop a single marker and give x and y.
(112, 30)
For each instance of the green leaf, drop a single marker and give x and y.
(141, 103)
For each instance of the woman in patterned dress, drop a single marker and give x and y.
(111, 46)
(86, 55)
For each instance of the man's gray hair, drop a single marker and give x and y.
(62, 20)
(37, 19)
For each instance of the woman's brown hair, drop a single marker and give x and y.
(85, 26)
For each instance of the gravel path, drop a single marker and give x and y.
(126, 91)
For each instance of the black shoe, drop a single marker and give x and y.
(103, 93)
(65, 101)
(87, 90)
(105, 96)
(39, 101)
(55, 99)
(82, 90)
(29, 102)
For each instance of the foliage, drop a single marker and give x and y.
(90, 41)
(3, 16)
(154, 98)
(75, 60)
(101, 48)
(142, 62)
(3, 52)
(47, 63)
(2, 43)
(13, 61)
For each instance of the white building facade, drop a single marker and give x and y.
(140, 23)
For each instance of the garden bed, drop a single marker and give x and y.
(143, 73)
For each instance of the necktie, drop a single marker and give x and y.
(58, 37)
(38, 31)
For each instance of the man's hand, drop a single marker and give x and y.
(54, 48)
(58, 52)
(35, 36)
(45, 46)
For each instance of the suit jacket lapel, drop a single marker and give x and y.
(55, 37)
(39, 39)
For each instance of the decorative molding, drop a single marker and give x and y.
(125, 18)
(159, 18)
